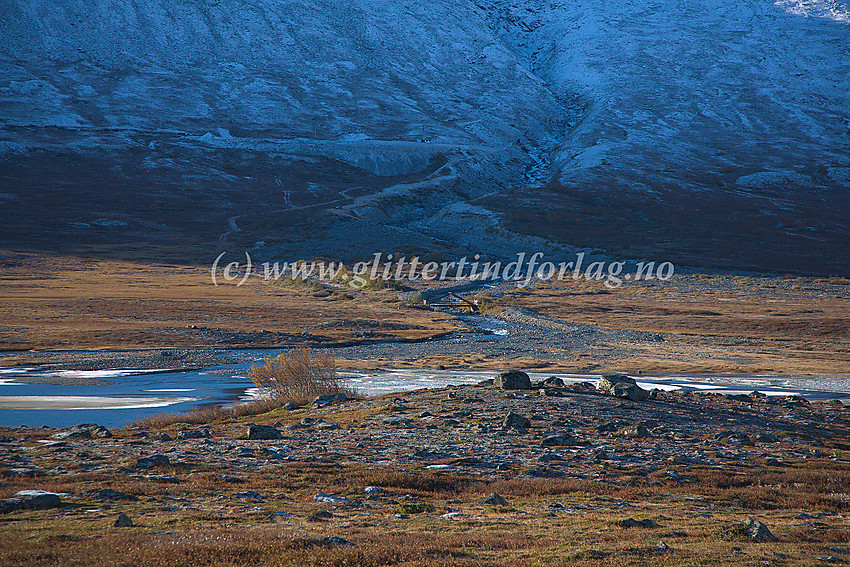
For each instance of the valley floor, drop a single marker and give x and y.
(146, 315)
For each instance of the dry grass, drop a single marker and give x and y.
(209, 414)
(711, 323)
(584, 532)
(62, 302)
(298, 376)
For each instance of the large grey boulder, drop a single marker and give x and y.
(758, 532)
(513, 380)
(622, 386)
(494, 500)
(263, 432)
(30, 500)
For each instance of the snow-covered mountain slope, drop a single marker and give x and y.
(696, 86)
(316, 69)
(359, 125)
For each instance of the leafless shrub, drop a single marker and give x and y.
(298, 376)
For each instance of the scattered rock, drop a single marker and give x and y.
(17, 472)
(512, 380)
(610, 426)
(634, 432)
(193, 434)
(516, 421)
(123, 521)
(334, 540)
(152, 461)
(734, 437)
(553, 382)
(758, 532)
(329, 399)
(319, 516)
(83, 431)
(752, 530)
(765, 438)
(455, 516)
(674, 476)
(563, 440)
(30, 500)
(249, 495)
(330, 498)
(622, 386)
(494, 500)
(278, 516)
(263, 432)
(632, 523)
(372, 490)
(107, 494)
(163, 478)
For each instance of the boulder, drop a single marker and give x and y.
(622, 386)
(512, 380)
(103, 494)
(263, 432)
(83, 431)
(193, 434)
(758, 532)
(494, 500)
(563, 440)
(752, 530)
(333, 540)
(634, 432)
(516, 421)
(123, 521)
(553, 382)
(765, 438)
(30, 500)
(330, 498)
(152, 461)
(20, 471)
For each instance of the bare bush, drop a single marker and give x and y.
(298, 376)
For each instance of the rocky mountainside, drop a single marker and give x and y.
(346, 127)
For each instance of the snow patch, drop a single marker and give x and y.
(775, 180)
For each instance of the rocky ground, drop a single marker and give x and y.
(580, 475)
